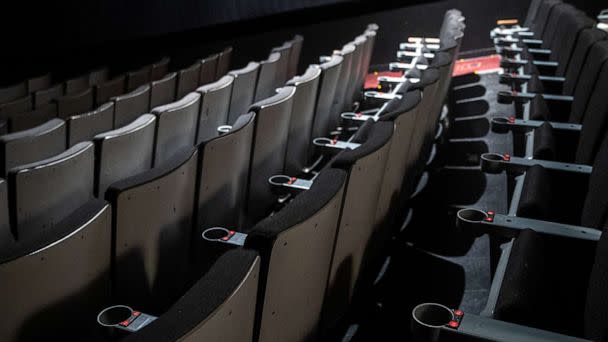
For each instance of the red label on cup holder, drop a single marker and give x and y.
(460, 312)
(453, 324)
(489, 218)
(506, 157)
(511, 119)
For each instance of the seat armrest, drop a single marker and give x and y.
(487, 222)
(508, 97)
(511, 124)
(494, 163)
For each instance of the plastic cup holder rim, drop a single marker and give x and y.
(321, 141)
(501, 120)
(213, 230)
(279, 179)
(494, 157)
(122, 316)
(349, 115)
(471, 215)
(224, 128)
(435, 306)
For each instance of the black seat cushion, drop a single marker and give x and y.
(544, 142)
(520, 299)
(539, 110)
(536, 195)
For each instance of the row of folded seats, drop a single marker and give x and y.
(248, 207)
(553, 242)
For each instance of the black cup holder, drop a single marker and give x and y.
(113, 315)
(498, 125)
(215, 234)
(492, 163)
(428, 319)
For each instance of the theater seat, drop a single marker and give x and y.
(162, 91)
(85, 126)
(223, 63)
(42, 97)
(159, 69)
(153, 225)
(138, 78)
(39, 82)
(268, 155)
(210, 309)
(243, 90)
(33, 118)
(65, 273)
(6, 237)
(328, 85)
(8, 109)
(267, 77)
(296, 246)
(175, 127)
(32, 145)
(129, 106)
(13, 92)
(224, 170)
(75, 103)
(214, 106)
(124, 152)
(47, 191)
(109, 89)
(208, 69)
(188, 79)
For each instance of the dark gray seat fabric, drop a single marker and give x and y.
(162, 91)
(124, 152)
(283, 64)
(63, 274)
(303, 234)
(8, 109)
(294, 56)
(175, 127)
(47, 191)
(223, 174)
(138, 78)
(76, 84)
(98, 76)
(268, 155)
(214, 107)
(85, 126)
(153, 222)
(33, 144)
(188, 80)
(129, 106)
(302, 116)
(159, 69)
(32, 118)
(224, 295)
(39, 83)
(6, 237)
(340, 97)
(329, 83)
(243, 90)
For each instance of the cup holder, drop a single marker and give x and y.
(432, 315)
(498, 125)
(471, 215)
(492, 163)
(113, 315)
(279, 180)
(428, 319)
(501, 120)
(215, 234)
(224, 129)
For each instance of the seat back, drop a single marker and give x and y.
(109, 89)
(223, 63)
(42, 97)
(223, 173)
(565, 39)
(225, 295)
(75, 103)
(162, 91)
(76, 84)
(129, 106)
(294, 56)
(340, 97)
(6, 238)
(268, 154)
(329, 83)
(188, 79)
(283, 67)
(269, 70)
(31, 145)
(9, 109)
(558, 16)
(33, 118)
(353, 87)
(159, 69)
(209, 67)
(123, 152)
(215, 103)
(13, 92)
(153, 229)
(175, 127)
(85, 126)
(368, 50)
(296, 246)
(365, 166)
(65, 274)
(532, 12)
(38, 83)
(544, 13)
(587, 38)
(243, 90)
(586, 84)
(302, 117)
(98, 76)
(47, 191)
(138, 78)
